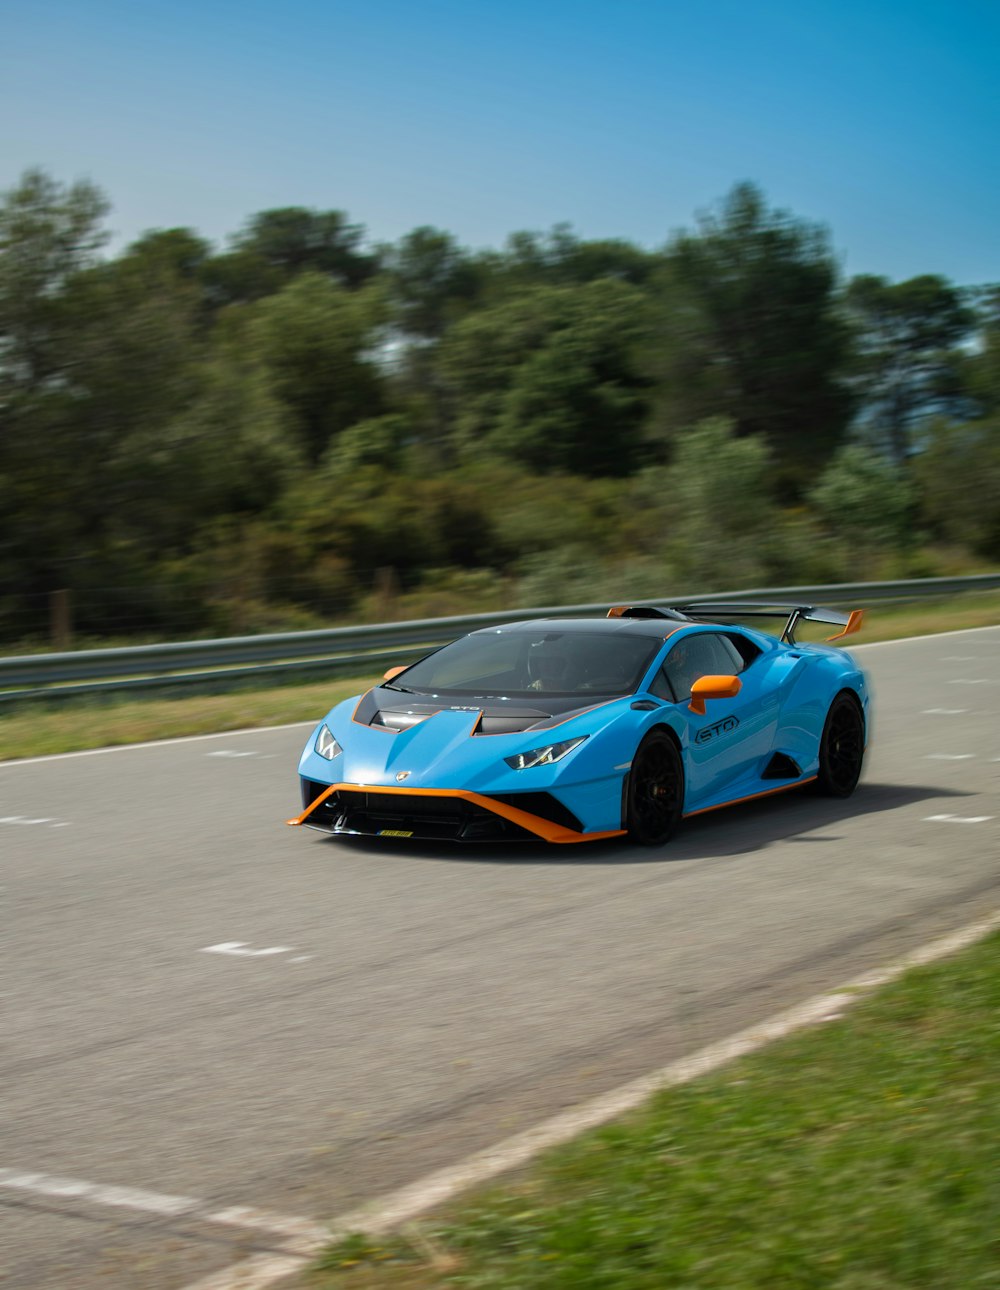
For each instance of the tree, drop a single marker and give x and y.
(959, 477)
(315, 338)
(294, 240)
(719, 488)
(747, 328)
(548, 378)
(48, 232)
(909, 365)
(981, 367)
(431, 281)
(865, 503)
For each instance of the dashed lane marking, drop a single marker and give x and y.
(957, 819)
(240, 949)
(27, 819)
(950, 757)
(944, 712)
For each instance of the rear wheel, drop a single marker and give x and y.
(655, 791)
(841, 748)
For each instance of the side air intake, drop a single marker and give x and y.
(781, 766)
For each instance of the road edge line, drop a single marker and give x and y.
(407, 1203)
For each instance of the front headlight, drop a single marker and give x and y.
(545, 755)
(326, 745)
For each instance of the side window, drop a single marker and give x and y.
(744, 647)
(704, 654)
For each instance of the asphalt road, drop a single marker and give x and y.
(414, 1003)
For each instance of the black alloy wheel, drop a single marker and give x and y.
(841, 748)
(655, 797)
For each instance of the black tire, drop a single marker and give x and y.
(841, 747)
(655, 796)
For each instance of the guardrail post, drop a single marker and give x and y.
(61, 619)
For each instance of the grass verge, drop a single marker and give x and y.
(860, 1155)
(36, 730)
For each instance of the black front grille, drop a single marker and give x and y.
(433, 818)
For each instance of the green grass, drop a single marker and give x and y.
(860, 1155)
(38, 729)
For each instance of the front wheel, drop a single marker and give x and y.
(655, 797)
(841, 748)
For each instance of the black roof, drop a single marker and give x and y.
(655, 628)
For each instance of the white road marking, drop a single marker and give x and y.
(944, 712)
(960, 658)
(973, 680)
(950, 757)
(957, 819)
(408, 1202)
(229, 752)
(290, 1227)
(76, 1188)
(155, 743)
(240, 949)
(25, 819)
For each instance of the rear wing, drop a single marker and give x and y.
(715, 611)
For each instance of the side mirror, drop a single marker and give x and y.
(713, 687)
(393, 671)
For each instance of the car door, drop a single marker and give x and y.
(730, 741)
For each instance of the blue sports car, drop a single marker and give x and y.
(575, 729)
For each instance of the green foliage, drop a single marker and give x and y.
(547, 378)
(959, 476)
(314, 338)
(294, 240)
(720, 493)
(747, 328)
(981, 369)
(431, 280)
(299, 425)
(48, 232)
(907, 357)
(865, 501)
(379, 441)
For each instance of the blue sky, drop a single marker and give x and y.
(879, 119)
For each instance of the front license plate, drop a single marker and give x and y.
(395, 833)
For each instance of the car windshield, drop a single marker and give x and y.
(519, 663)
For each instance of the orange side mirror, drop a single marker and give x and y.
(713, 687)
(393, 671)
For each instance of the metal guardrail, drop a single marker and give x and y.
(345, 651)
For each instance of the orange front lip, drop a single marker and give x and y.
(541, 828)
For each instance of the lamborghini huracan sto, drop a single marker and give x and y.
(575, 729)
